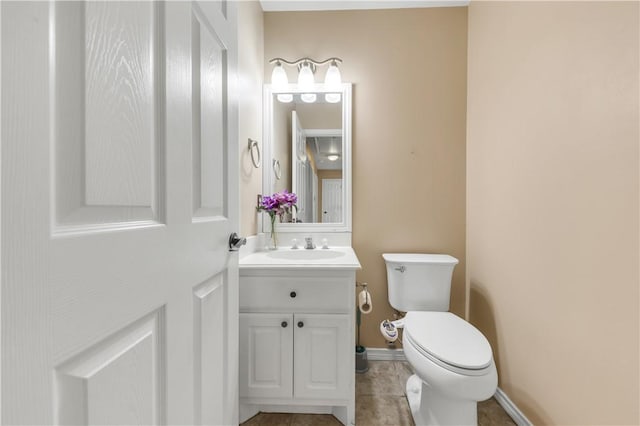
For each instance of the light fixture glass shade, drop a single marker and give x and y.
(279, 77)
(305, 77)
(332, 98)
(308, 97)
(333, 80)
(285, 97)
(332, 157)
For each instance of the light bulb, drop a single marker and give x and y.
(332, 98)
(332, 157)
(308, 97)
(285, 98)
(305, 77)
(333, 80)
(279, 77)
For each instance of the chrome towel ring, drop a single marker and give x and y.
(254, 149)
(277, 171)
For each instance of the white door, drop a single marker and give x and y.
(331, 200)
(266, 355)
(300, 164)
(314, 196)
(321, 345)
(119, 183)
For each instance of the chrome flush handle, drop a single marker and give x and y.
(401, 269)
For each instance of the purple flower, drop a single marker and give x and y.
(278, 203)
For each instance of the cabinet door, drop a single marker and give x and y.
(323, 348)
(266, 355)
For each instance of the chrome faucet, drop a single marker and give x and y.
(309, 243)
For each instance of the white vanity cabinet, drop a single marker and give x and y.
(299, 355)
(297, 341)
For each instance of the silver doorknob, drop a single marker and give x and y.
(235, 242)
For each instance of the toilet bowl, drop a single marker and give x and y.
(454, 368)
(452, 360)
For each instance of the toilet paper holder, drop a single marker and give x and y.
(364, 298)
(363, 285)
(362, 364)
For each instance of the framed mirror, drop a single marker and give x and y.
(309, 135)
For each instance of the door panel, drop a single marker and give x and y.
(117, 306)
(209, 302)
(209, 79)
(107, 113)
(120, 101)
(321, 345)
(125, 370)
(266, 354)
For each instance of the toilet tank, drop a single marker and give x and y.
(419, 282)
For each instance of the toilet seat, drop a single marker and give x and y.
(448, 341)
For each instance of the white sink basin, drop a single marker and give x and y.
(334, 258)
(303, 254)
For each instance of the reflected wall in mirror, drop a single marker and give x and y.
(311, 141)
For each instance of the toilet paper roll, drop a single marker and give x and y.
(364, 302)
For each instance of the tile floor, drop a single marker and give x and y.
(380, 401)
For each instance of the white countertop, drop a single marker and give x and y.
(287, 258)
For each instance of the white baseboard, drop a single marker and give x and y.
(384, 354)
(512, 410)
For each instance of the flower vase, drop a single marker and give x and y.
(274, 234)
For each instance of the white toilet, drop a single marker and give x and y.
(452, 360)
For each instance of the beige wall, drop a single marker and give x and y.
(408, 68)
(552, 223)
(320, 116)
(250, 80)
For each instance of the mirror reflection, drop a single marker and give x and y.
(307, 144)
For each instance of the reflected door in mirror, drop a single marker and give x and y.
(331, 200)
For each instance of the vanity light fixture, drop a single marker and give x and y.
(306, 69)
(333, 157)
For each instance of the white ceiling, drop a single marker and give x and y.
(305, 5)
(322, 147)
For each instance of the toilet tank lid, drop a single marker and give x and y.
(419, 258)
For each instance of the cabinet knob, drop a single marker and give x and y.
(284, 324)
(300, 324)
(293, 294)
